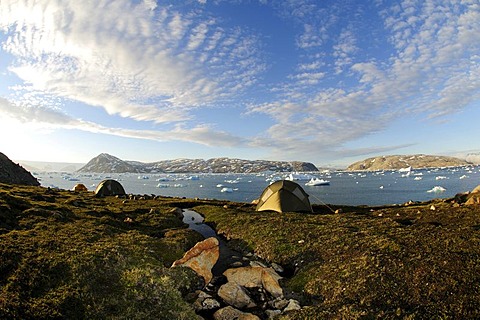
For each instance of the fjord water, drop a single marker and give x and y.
(346, 188)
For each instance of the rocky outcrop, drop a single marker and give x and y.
(13, 173)
(105, 163)
(249, 291)
(201, 258)
(404, 161)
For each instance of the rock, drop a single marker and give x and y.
(272, 313)
(278, 303)
(292, 305)
(205, 302)
(258, 264)
(201, 258)
(473, 197)
(210, 304)
(178, 212)
(229, 313)
(278, 268)
(236, 264)
(255, 276)
(234, 295)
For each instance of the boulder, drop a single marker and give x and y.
(201, 258)
(229, 313)
(256, 276)
(292, 305)
(235, 295)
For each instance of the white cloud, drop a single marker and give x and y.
(135, 60)
(49, 119)
(344, 49)
(434, 70)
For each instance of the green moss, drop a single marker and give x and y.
(392, 262)
(75, 256)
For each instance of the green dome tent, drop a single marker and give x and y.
(284, 196)
(109, 188)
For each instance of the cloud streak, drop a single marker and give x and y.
(47, 118)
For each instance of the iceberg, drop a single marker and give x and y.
(317, 182)
(437, 189)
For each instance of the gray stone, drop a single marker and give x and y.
(210, 304)
(258, 264)
(272, 313)
(235, 295)
(278, 268)
(292, 305)
(230, 313)
(236, 264)
(278, 303)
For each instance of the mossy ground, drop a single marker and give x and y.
(407, 262)
(75, 256)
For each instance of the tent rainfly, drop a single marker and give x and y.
(80, 187)
(284, 196)
(109, 188)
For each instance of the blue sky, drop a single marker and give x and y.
(329, 82)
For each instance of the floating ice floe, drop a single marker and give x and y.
(298, 176)
(440, 178)
(464, 177)
(317, 182)
(229, 190)
(417, 178)
(437, 189)
(163, 185)
(179, 185)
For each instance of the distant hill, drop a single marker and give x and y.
(404, 161)
(105, 163)
(13, 173)
(41, 166)
(473, 158)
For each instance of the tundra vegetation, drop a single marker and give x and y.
(77, 256)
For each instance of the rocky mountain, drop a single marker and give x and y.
(404, 161)
(13, 173)
(105, 163)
